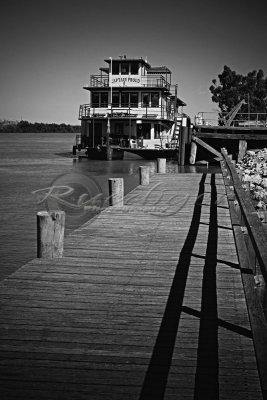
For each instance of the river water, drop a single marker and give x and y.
(38, 173)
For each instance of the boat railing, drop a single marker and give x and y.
(88, 111)
(157, 81)
(250, 238)
(99, 81)
(258, 120)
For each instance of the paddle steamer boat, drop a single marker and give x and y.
(132, 107)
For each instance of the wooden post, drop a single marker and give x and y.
(161, 165)
(183, 138)
(193, 153)
(50, 234)
(242, 149)
(109, 153)
(144, 175)
(262, 214)
(116, 192)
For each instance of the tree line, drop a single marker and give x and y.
(232, 88)
(37, 127)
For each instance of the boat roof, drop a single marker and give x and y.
(124, 58)
(104, 69)
(179, 101)
(159, 70)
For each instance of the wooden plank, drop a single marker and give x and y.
(206, 146)
(135, 284)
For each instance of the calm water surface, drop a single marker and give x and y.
(32, 164)
(38, 172)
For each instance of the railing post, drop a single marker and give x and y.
(50, 234)
(116, 192)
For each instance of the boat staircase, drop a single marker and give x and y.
(174, 144)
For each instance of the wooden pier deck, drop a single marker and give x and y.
(147, 303)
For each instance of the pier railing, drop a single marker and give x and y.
(242, 120)
(251, 243)
(246, 216)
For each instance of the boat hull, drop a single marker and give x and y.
(152, 154)
(100, 153)
(117, 153)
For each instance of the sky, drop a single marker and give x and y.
(50, 48)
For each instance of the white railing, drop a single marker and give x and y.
(157, 81)
(258, 120)
(86, 111)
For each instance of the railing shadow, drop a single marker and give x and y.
(207, 372)
(157, 373)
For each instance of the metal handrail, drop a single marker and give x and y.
(241, 119)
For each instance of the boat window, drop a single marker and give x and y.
(146, 129)
(115, 99)
(134, 68)
(119, 129)
(95, 99)
(104, 99)
(134, 99)
(158, 129)
(125, 99)
(115, 68)
(145, 99)
(154, 99)
(124, 68)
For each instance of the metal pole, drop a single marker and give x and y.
(110, 83)
(109, 155)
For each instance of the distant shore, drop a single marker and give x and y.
(36, 127)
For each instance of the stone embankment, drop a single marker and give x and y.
(253, 172)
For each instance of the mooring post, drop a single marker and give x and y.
(116, 192)
(144, 175)
(242, 148)
(183, 141)
(50, 234)
(161, 165)
(193, 153)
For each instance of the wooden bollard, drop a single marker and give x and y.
(193, 153)
(116, 192)
(242, 148)
(161, 165)
(144, 175)
(50, 234)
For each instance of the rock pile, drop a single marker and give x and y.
(253, 173)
